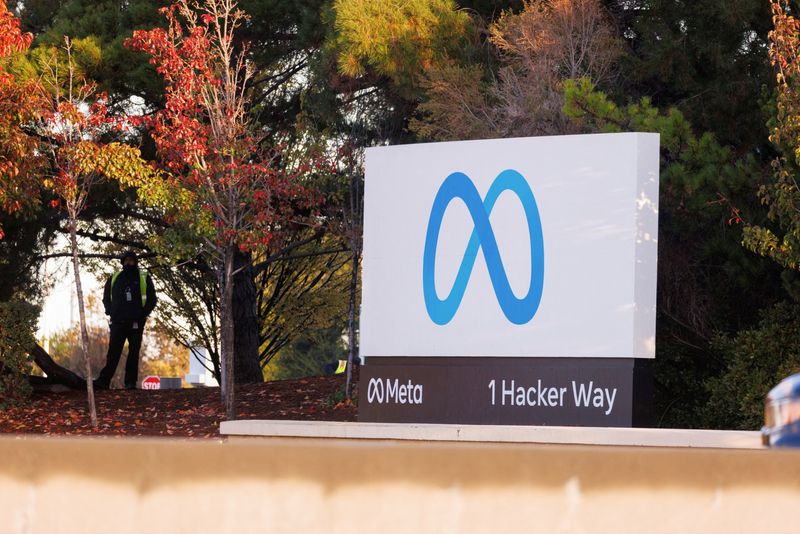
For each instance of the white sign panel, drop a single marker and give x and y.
(542, 246)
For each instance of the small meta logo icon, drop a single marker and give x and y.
(459, 185)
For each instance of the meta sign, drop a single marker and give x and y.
(510, 281)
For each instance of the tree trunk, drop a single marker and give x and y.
(227, 332)
(355, 233)
(351, 324)
(55, 373)
(82, 314)
(247, 368)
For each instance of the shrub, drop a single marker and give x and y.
(17, 327)
(757, 360)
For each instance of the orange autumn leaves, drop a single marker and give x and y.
(19, 103)
(50, 126)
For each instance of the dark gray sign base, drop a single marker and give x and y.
(507, 391)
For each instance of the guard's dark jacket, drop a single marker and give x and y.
(119, 307)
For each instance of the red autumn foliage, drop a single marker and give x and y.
(203, 134)
(206, 140)
(12, 38)
(19, 104)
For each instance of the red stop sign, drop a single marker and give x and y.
(151, 382)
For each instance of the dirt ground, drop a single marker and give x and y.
(178, 412)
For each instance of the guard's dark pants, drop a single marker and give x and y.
(119, 333)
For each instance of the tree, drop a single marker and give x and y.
(757, 358)
(345, 215)
(490, 9)
(20, 249)
(301, 290)
(400, 42)
(291, 79)
(22, 103)
(308, 354)
(537, 49)
(306, 291)
(52, 126)
(120, 72)
(375, 59)
(19, 104)
(207, 143)
(783, 194)
(70, 131)
(352, 218)
(704, 57)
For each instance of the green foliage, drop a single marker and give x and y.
(756, 360)
(489, 9)
(301, 295)
(694, 169)
(65, 348)
(120, 72)
(340, 396)
(782, 194)
(50, 61)
(17, 327)
(308, 354)
(19, 251)
(291, 75)
(704, 56)
(37, 14)
(164, 193)
(305, 292)
(783, 198)
(399, 41)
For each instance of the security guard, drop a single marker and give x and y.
(129, 297)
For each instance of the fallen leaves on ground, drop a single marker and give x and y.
(194, 412)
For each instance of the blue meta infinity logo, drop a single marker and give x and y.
(458, 185)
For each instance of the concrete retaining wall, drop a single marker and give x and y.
(566, 435)
(309, 485)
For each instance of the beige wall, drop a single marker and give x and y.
(313, 485)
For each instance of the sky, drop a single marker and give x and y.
(60, 309)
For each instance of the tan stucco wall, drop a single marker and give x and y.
(314, 485)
